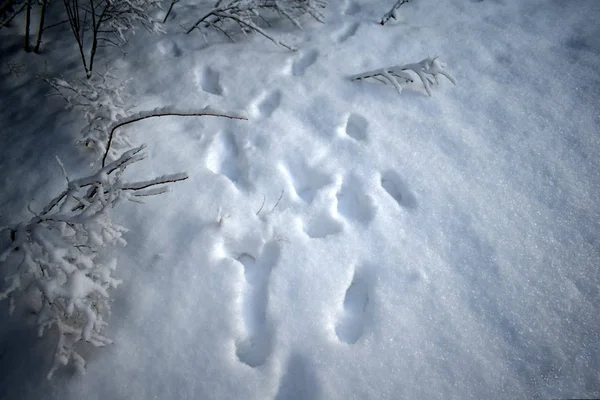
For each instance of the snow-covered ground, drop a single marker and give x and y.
(346, 242)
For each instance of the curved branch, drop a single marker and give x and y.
(207, 112)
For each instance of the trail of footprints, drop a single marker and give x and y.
(351, 204)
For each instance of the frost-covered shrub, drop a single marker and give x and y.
(101, 101)
(247, 15)
(427, 70)
(55, 263)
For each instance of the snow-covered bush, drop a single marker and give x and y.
(427, 70)
(247, 14)
(56, 259)
(101, 100)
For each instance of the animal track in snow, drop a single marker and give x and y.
(300, 66)
(223, 157)
(209, 81)
(306, 180)
(322, 226)
(356, 127)
(256, 347)
(352, 8)
(353, 204)
(267, 104)
(395, 187)
(299, 382)
(351, 324)
(168, 48)
(347, 32)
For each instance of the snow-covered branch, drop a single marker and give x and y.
(164, 112)
(246, 13)
(427, 70)
(392, 13)
(57, 262)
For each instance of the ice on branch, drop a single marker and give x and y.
(55, 259)
(427, 70)
(247, 14)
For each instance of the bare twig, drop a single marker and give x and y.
(262, 205)
(278, 201)
(173, 2)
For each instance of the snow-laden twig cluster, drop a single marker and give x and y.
(427, 70)
(392, 13)
(101, 102)
(247, 13)
(100, 23)
(56, 256)
(123, 17)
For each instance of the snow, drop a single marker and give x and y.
(346, 241)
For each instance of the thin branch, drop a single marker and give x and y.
(173, 2)
(56, 24)
(14, 14)
(158, 181)
(201, 20)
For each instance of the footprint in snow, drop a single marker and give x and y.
(300, 66)
(224, 158)
(169, 48)
(353, 204)
(209, 81)
(356, 127)
(299, 382)
(357, 305)
(352, 8)
(347, 32)
(305, 180)
(254, 349)
(266, 104)
(395, 187)
(321, 226)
